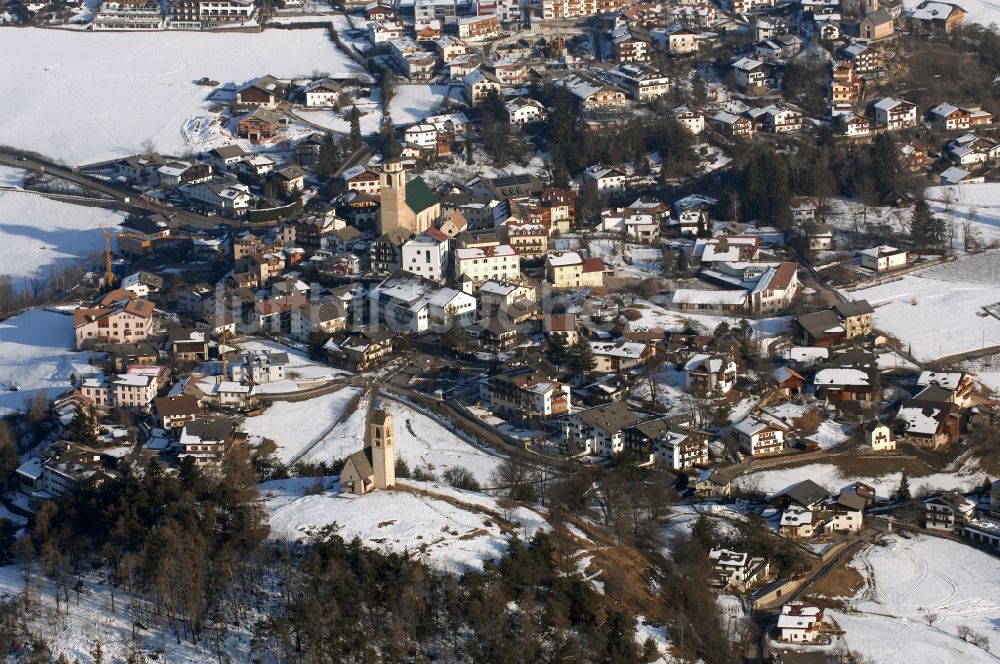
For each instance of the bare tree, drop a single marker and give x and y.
(968, 229)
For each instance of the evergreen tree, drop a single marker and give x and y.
(903, 492)
(926, 230)
(884, 165)
(83, 428)
(355, 117)
(557, 348)
(580, 360)
(743, 329)
(721, 330)
(329, 156)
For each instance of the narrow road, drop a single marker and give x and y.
(120, 194)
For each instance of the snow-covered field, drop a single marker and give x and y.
(831, 478)
(939, 314)
(98, 96)
(977, 203)
(292, 430)
(909, 578)
(420, 441)
(455, 534)
(36, 232)
(35, 355)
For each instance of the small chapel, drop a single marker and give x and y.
(373, 466)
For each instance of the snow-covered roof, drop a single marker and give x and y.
(627, 349)
(700, 296)
(949, 380)
(920, 419)
(928, 11)
(796, 516)
(564, 258)
(847, 377)
(747, 64)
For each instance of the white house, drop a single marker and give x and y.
(321, 94)
(422, 135)
(524, 110)
(895, 114)
(883, 258)
(427, 255)
(476, 265)
(605, 179)
(758, 437)
(800, 622)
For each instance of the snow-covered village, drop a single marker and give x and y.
(499, 331)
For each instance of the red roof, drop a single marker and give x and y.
(593, 265)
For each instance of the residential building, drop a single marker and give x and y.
(524, 110)
(600, 430)
(205, 442)
(474, 266)
(800, 622)
(877, 25)
(427, 255)
(950, 117)
(710, 374)
(118, 318)
(568, 269)
(884, 258)
(524, 394)
(759, 437)
(949, 511)
(604, 179)
(641, 81)
(936, 17)
(736, 569)
(751, 75)
(667, 444)
(895, 114)
(619, 355)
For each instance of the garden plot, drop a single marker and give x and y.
(36, 356)
(455, 530)
(629, 260)
(99, 96)
(654, 315)
(300, 373)
(411, 103)
(937, 312)
(909, 579)
(295, 426)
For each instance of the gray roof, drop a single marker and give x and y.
(933, 393)
(851, 309)
(614, 416)
(851, 501)
(806, 493)
(820, 322)
(363, 462)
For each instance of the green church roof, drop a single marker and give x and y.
(419, 196)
